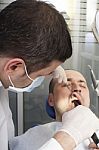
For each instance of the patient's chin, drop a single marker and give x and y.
(64, 106)
(62, 110)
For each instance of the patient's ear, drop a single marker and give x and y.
(51, 99)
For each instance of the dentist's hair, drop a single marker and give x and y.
(35, 32)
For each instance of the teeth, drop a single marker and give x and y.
(73, 98)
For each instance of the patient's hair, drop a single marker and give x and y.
(35, 32)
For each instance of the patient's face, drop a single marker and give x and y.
(65, 95)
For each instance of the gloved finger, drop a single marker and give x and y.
(93, 145)
(60, 79)
(65, 79)
(55, 75)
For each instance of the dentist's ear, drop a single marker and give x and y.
(14, 66)
(51, 99)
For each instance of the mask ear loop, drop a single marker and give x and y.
(27, 73)
(10, 81)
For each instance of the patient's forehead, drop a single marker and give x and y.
(75, 75)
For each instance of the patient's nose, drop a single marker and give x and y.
(76, 88)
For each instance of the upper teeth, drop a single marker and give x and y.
(73, 98)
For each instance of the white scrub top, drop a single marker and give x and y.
(6, 123)
(40, 138)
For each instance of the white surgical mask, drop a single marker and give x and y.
(35, 83)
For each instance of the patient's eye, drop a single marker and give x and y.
(82, 84)
(68, 84)
(64, 85)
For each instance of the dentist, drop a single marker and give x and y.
(34, 41)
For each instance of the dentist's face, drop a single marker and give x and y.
(76, 91)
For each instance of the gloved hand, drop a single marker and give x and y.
(59, 73)
(93, 146)
(80, 123)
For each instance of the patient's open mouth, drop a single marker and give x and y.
(76, 102)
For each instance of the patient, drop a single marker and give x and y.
(61, 98)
